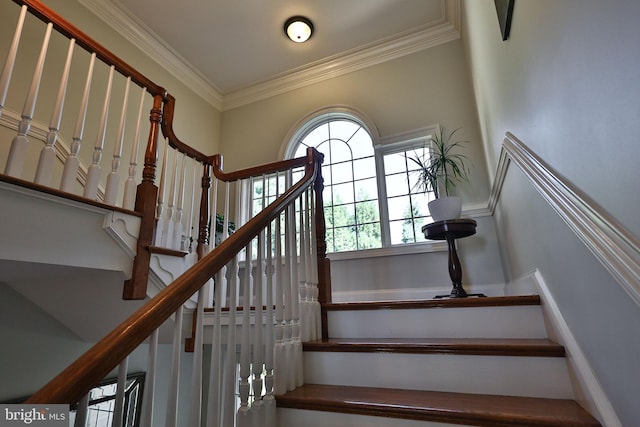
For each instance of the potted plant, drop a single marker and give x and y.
(440, 169)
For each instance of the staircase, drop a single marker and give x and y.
(474, 361)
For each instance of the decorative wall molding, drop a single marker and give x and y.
(615, 247)
(593, 396)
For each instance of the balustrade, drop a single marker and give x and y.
(256, 278)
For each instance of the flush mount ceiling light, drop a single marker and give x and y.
(298, 28)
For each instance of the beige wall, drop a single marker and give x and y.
(565, 84)
(397, 96)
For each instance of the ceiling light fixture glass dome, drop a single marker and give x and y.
(298, 28)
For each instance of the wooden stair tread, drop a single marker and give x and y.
(518, 300)
(446, 407)
(475, 346)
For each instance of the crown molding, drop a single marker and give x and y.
(136, 32)
(393, 48)
(140, 35)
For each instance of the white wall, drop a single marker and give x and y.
(565, 84)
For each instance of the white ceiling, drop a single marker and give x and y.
(238, 48)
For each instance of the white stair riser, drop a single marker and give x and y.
(504, 375)
(463, 322)
(287, 417)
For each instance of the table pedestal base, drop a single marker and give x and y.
(450, 231)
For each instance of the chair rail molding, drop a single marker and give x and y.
(617, 249)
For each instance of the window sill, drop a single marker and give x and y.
(406, 249)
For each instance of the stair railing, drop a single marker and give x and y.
(92, 83)
(274, 289)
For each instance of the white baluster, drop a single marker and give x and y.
(7, 68)
(185, 240)
(167, 241)
(290, 280)
(243, 418)
(161, 226)
(314, 269)
(48, 153)
(215, 371)
(279, 347)
(118, 411)
(113, 179)
(258, 340)
(73, 162)
(129, 198)
(178, 228)
(296, 345)
(93, 175)
(20, 142)
(230, 366)
(81, 412)
(146, 419)
(269, 402)
(302, 272)
(174, 381)
(195, 412)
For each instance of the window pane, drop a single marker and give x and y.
(397, 185)
(398, 207)
(340, 151)
(343, 193)
(342, 172)
(364, 168)
(344, 239)
(369, 236)
(301, 151)
(394, 163)
(395, 228)
(328, 217)
(366, 189)
(324, 149)
(343, 215)
(419, 223)
(420, 204)
(343, 129)
(361, 144)
(367, 212)
(326, 174)
(317, 136)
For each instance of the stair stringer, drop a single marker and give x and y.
(586, 386)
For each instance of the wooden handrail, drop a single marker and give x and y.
(174, 141)
(73, 382)
(254, 171)
(46, 14)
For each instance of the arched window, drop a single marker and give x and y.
(352, 212)
(370, 196)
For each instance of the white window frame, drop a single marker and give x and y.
(416, 138)
(395, 144)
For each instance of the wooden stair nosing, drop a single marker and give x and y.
(519, 300)
(446, 407)
(461, 346)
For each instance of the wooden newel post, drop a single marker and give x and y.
(324, 268)
(146, 197)
(204, 230)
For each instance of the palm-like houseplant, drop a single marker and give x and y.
(441, 167)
